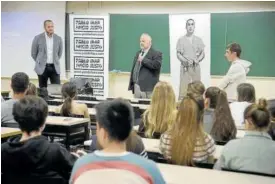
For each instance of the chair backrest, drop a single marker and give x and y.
(248, 172)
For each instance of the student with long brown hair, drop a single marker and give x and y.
(70, 107)
(221, 126)
(255, 151)
(161, 112)
(186, 142)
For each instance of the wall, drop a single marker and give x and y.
(118, 83)
(21, 22)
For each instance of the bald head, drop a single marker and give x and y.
(145, 41)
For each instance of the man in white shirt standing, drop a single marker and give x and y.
(236, 73)
(46, 51)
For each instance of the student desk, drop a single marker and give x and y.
(7, 132)
(174, 174)
(91, 104)
(86, 97)
(67, 127)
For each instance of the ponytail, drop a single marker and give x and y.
(66, 107)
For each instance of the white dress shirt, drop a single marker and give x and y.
(49, 43)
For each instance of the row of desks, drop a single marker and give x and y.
(93, 103)
(54, 125)
(174, 174)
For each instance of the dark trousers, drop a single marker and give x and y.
(49, 72)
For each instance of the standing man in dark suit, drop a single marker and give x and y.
(146, 69)
(46, 51)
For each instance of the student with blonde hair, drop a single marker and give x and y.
(255, 151)
(161, 112)
(186, 142)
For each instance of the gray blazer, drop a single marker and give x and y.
(39, 52)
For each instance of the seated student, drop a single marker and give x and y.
(161, 113)
(113, 164)
(134, 144)
(255, 151)
(31, 157)
(196, 87)
(70, 107)
(186, 142)
(217, 119)
(32, 90)
(19, 86)
(246, 96)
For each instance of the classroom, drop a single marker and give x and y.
(140, 91)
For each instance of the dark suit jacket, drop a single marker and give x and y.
(149, 70)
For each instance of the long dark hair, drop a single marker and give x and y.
(68, 91)
(224, 128)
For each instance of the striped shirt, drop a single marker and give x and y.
(201, 151)
(123, 168)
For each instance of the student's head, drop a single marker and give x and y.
(32, 90)
(30, 112)
(257, 116)
(224, 128)
(49, 27)
(161, 112)
(211, 97)
(114, 122)
(145, 41)
(246, 93)
(233, 51)
(190, 26)
(187, 129)
(19, 83)
(69, 92)
(196, 87)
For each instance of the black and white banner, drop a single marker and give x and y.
(89, 51)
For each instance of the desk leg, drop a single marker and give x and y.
(67, 141)
(87, 131)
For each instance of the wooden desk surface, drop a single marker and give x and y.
(8, 132)
(136, 100)
(174, 174)
(52, 108)
(141, 106)
(65, 121)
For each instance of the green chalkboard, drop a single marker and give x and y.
(254, 31)
(125, 31)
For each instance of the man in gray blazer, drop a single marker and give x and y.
(46, 51)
